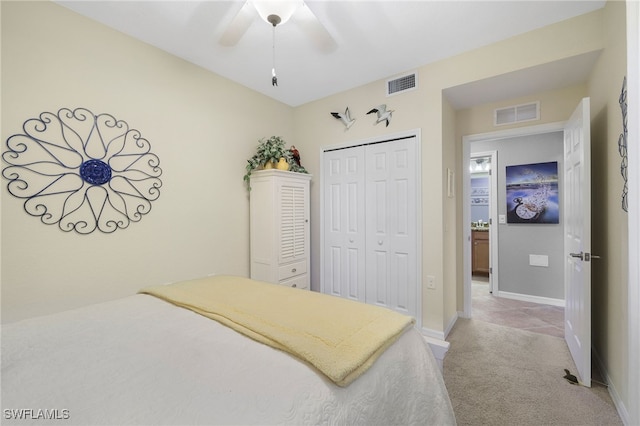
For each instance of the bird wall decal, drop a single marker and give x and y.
(383, 114)
(345, 118)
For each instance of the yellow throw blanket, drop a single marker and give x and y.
(339, 337)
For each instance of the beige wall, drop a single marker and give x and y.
(610, 224)
(202, 126)
(555, 106)
(424, 109)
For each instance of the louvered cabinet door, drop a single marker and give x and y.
(280, 228)
(293, 256)
(292, 222)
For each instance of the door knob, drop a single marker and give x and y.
(578, 255)
(584, 256)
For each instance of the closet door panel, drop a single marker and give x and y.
(344, 273)
(370, 221)
(354, 273)
(377, 220)
(377, 288)
(404, 287)
(332, 270)
(391, 229)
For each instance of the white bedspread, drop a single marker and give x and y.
(140, 360)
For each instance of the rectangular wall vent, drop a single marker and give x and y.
(516, 114)
(402, 84)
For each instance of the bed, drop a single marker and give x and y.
(145, 359)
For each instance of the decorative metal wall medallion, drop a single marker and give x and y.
(82, 171)
(622, 144)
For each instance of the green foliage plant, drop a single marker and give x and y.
(271, 150)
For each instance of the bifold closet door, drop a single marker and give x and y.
(391, 254)
(344, 223)
(370, 238)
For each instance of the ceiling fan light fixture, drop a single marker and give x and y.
(274, 19)
(281, 8)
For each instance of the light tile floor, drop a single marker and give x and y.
(545, 319)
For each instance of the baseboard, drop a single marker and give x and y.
(438, 345)
(427, 332)
(448, 328)
(613, 392)
(439, 349)
(532, 299)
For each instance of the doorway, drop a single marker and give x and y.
(496, 219)
(483, 213)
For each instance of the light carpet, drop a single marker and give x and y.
(498, 375)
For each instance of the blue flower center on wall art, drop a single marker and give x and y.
(82, 172)
(95, 172)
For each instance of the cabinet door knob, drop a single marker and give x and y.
(379, 242)
(293, 270)
(294, 286)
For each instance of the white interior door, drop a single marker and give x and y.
(577, 193)
(344, 223)
(391, 225)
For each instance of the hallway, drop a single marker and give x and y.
(535, 317)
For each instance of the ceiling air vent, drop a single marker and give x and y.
(402, 84)
(516, 114)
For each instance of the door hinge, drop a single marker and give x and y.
(490, 270)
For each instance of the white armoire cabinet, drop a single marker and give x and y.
(279, 227)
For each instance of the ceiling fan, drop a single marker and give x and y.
(297, 11)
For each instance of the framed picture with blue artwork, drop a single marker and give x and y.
(532, 193)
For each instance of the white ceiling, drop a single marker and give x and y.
(375, 40)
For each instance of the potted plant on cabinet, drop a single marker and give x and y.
(271, 153)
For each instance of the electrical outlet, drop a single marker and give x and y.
(431, 282)
(538, 260)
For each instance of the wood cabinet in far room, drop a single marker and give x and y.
(480, 252)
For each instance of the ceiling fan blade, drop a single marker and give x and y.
(239, 25)
(314, 29)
